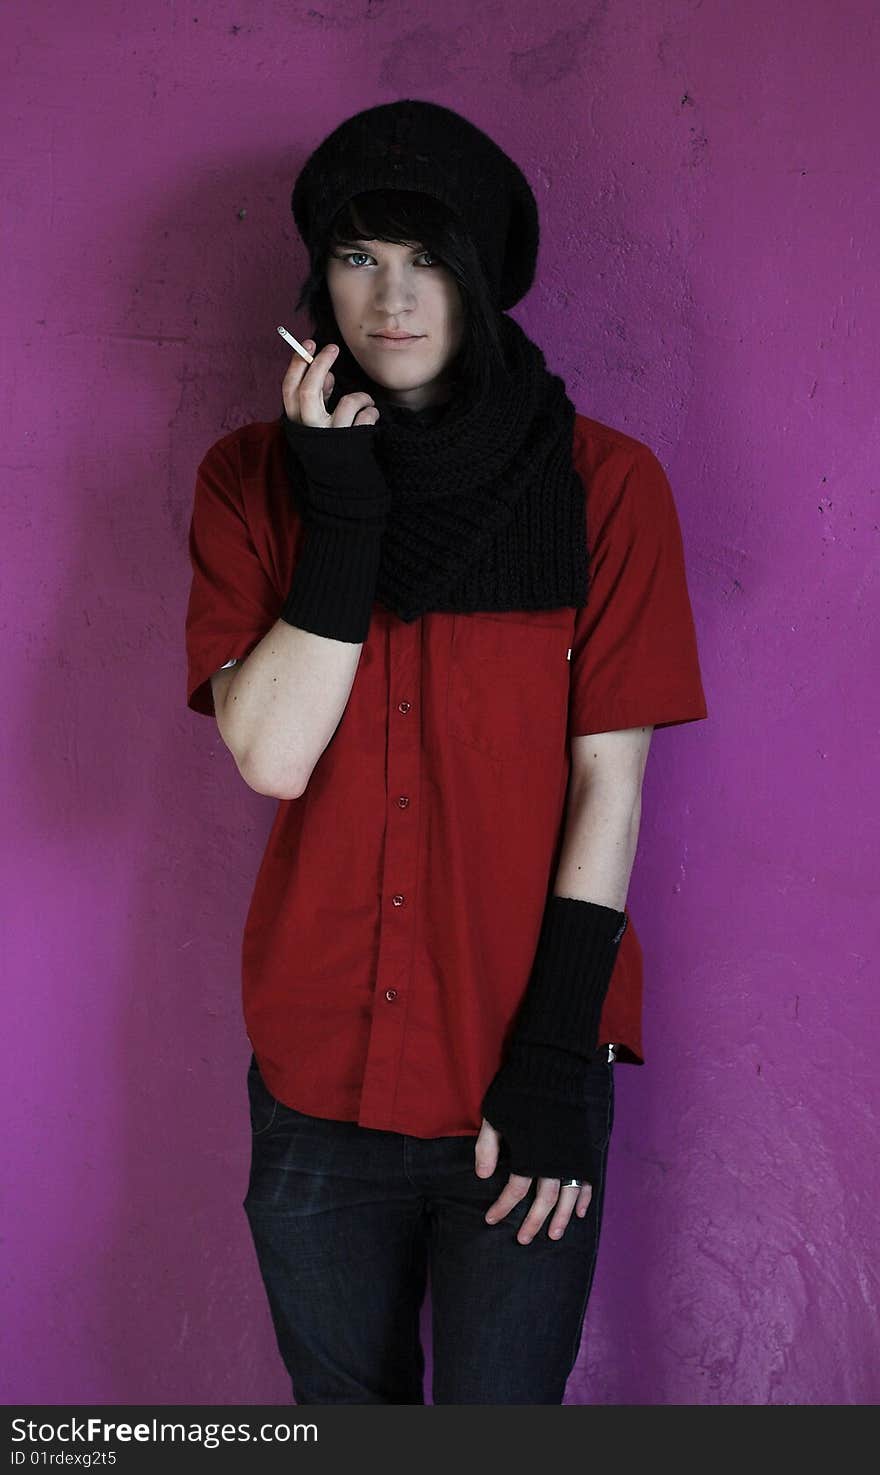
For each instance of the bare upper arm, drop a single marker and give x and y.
(220, 684)
(618, 758)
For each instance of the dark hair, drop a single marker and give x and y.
(408, 217)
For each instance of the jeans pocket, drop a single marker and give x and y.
(263, 1105)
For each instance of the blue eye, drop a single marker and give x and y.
(347, 256)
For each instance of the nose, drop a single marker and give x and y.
(394, 290)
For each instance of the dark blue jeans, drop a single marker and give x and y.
(349, 1221)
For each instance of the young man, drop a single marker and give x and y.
(438, 623)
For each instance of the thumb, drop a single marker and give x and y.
(486, 1150)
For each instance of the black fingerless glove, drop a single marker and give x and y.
(538, 1098)
(343, 499)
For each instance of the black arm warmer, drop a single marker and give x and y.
(344, 501)
(538, 1098)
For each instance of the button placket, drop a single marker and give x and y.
(399, 877)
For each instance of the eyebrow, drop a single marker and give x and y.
(364, 241)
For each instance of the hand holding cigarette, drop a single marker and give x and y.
(307, 379)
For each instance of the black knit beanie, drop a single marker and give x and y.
(423, 146)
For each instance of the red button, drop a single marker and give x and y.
(397, 900)
(403, 706)
(403, 802)
(391, 993)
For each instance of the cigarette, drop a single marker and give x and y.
(303, 352)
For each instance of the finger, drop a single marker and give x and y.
(312, 409)
(486, 1149)
(584, 1196)
(513, 1192)
(546, 1197)
(568, 1198)
(349, 405)
(293, 376)
(326, 394)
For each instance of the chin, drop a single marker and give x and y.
(401, 381)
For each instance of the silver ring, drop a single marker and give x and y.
(572, 1183)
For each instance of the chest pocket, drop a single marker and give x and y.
(509, 681)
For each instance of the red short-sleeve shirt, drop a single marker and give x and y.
(397, 906)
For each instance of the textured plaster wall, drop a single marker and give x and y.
(708, 282)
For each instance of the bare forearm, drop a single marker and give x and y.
(599, 844)
(284, 704)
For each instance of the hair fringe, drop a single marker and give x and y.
(408, 217)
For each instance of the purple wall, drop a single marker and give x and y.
(707, 282)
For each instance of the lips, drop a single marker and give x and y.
(396, 345)
(396, 337)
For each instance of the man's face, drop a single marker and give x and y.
(380, 287)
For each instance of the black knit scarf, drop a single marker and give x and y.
(488, 511)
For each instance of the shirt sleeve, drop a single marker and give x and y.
(634, 658)
(232, 601)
